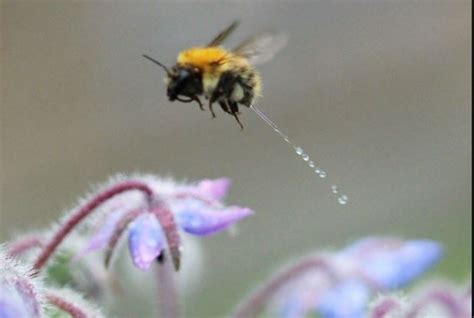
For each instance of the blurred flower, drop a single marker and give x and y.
(193, 208)
(18, 290)
(340, 285)
(375, 264)
(391, 263)
(347, 299)
(23, 295)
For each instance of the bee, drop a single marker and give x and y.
(225, 77)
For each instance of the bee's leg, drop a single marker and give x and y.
(195, 98)
(234, 108)
(192, 98)
(225, 107)
(211, 109)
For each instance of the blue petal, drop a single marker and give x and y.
(412, 260)
(145, 240)
(200, 220)
(393, 263)
(347, 300)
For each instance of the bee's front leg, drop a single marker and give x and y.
(195, 98)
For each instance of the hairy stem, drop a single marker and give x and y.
(83, 212)
(168, 224)
(24, 244)
(256, 302)
(118, 232)
(167, 291)
(385, 307)
(453, 306)
(66, 306)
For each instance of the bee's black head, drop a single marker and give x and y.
(184, 81)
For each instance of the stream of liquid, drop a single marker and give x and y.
(341, 198)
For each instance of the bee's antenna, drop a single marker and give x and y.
(158, 63)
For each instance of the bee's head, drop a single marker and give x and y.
(184, 81)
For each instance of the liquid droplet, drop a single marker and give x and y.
(343, 199)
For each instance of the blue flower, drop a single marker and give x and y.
(194, 209)
(376, 264)
(392, 263)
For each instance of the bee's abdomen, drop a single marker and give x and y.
(251, 85)
(238, 86)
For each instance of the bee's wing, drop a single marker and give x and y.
(224, 34)
(262, 48)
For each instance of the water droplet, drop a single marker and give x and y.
(334, 189)
(311, 164)
(322, 174)
(299, 151)
(343, 199)
(305, 157)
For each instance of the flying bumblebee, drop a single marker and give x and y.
(226, 77)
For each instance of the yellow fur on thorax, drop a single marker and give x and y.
(208, 59)
(213, 61)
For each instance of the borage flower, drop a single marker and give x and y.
(374, 264)
(336, 285)
(196, 209)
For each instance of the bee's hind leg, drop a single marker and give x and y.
(225, 107)
(211, 109)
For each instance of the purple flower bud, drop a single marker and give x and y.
(346, 300)
(145, 240)
(200, 220)
(214, 189)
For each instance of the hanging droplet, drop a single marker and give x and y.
(300, 152)
(343, 199)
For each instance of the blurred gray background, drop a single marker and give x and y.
(377, 93)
